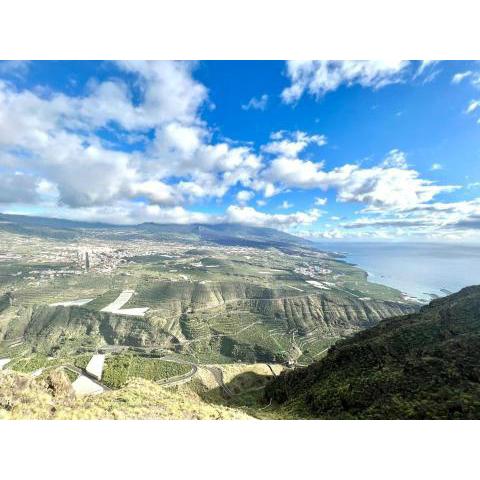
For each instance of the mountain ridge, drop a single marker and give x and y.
(215, 232)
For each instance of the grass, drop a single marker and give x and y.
(25, 398)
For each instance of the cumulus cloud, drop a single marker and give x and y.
(395, 159)
(290, 144)
(322, 76)
(389, 185)
(131, 213)
(250, 216)
(18, 188)
(53, 153)
(244, 196)
(256, 103)
(56, 136)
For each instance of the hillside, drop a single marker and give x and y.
(52, 397)
(214, 293)
(424, 365)
(237, 326)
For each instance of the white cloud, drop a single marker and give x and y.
(56, 135)
(256, 103)
(244, 196)
(322, 76)
(460, 76)
(18, 188)
(169, 93)
(473, 78)
(51, 155)
(250, 216)
(290, 144)
(157, 192)
(395, 159)
(391, 185)
(286, 205)
(472, 106)
(431, 220)
(424, 65)
(130, 213)
(436, 166)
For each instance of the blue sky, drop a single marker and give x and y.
(328, 150)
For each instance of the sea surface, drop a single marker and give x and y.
(418, 269)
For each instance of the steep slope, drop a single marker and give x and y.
(239, 321)
(422, 365)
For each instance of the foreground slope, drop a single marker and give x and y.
(51, 396)
(418, 366)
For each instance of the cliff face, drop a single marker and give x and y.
(330, 312)
(422, 365)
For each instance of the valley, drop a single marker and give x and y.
(163, 303)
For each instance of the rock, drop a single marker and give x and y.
(59, 385)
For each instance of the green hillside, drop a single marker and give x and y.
(214, 293)
(424, 365)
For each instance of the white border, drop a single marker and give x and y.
(238, 450)
(248, 29)
(234, 29)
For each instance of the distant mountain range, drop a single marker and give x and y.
(221, 233)
(424, 365)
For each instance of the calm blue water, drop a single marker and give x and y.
(417, 269)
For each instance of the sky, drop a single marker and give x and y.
(343, 150)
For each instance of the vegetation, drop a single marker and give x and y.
(121, 368)
(226, 295)
(418, 366)
(223, 294)
(51, 397)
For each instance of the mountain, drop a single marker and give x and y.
(154, 298)
(424, 365)
(221, 233)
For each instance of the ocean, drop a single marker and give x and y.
(422, 270)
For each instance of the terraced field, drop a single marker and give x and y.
(119, 369)
(174, 292)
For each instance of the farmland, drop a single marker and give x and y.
(154, 294)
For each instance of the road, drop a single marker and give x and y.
(215, 371)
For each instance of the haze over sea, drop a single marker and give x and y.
(418, 269)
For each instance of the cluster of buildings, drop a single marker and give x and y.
(311, 270)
